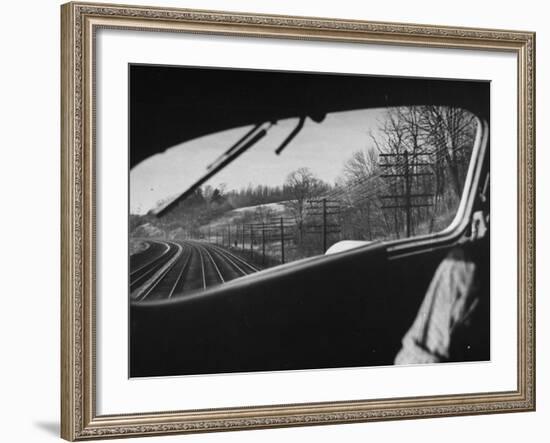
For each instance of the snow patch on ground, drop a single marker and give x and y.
(278, 208)
(275, 209)
(148, 230)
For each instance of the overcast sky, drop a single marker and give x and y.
(323, 148)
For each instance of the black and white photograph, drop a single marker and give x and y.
(281, 220)
(304, 220)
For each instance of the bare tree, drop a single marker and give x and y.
(451, 133)
(359, 184)
(437, 139)
(263, 214)
(442, 136)
(302, 185)
(361, 165)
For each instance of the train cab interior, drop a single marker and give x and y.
(349, 308)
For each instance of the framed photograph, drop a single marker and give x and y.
(282, 221)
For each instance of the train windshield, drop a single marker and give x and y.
(250, 198)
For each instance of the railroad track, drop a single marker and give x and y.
(195, 266)
(149, 262)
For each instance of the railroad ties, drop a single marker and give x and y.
(171, 269)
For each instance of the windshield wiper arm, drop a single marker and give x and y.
(235, 145)
(230, 155)
(291, 136)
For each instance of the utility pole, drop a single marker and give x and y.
(228, 235)
(325, 215)
(263, 243)
(405, 171)
(407, 194)
(251, 240)
(282, 241)
(324, 225)
(242, 235)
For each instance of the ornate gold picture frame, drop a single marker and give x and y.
(80, 23)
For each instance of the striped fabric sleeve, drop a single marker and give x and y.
(449, 302)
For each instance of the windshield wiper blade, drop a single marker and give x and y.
(230, 155)
(235, 145)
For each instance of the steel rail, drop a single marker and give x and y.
(216, 268)
(236, 257)
(152, 261)
(230, 261)
(202, 267)
(154, 266)
(155, 283)
(183, 269)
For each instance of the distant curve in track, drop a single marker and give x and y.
(142, 274)
(200, 266)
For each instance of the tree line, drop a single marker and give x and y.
(415, 166)
(408, 180)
